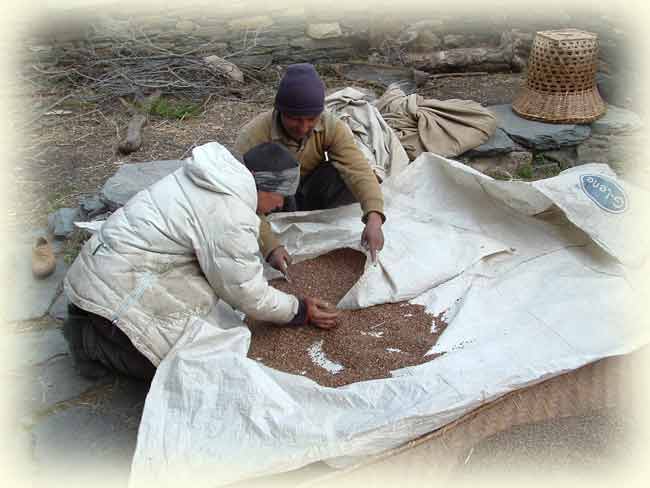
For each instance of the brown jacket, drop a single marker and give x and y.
(331, 135)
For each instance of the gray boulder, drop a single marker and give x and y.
(131, 178)
(538, 135)
(498, 143)
(61, 222)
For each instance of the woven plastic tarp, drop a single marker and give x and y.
(535, 279)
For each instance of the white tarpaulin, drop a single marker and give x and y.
(535, 279)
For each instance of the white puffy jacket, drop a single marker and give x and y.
(173, 250)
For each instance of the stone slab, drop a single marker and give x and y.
(61, 222)
(27, 349)
(538, 135)
(617, 121)
(498, 143)
(95, 441)
(29, 298)
(133, 177)
(39, 388)
(59, 309)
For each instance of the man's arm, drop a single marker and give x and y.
(250, 135)
(355, 171)
(232, 266)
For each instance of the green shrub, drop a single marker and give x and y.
(175, 109)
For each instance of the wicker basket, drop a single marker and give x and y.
(561, 81)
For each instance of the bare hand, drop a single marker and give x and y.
(320, 313)
(279, 259)
(373, 237)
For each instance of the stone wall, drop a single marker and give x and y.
(259, 36)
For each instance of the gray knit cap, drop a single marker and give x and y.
(274, 168)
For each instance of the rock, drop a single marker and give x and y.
(226, 67)
(61, 222)
(498, 143)
(59, 309)
(92, 206)
(594, 150)
(254, 61)
(251, 23)
(420, 37)
(545, 170)
(509, 162)
(625, 154)
(566, 157)
(27, 297)
(616, 121)
(97, 444)
(538, 135)
(620, 88)
(324, 31)
(313, 44)
(27, 349)
(384, 75)
(452, 41)
(186, 26)
(40, 387)
(133, 177)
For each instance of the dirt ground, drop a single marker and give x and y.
(72, 150)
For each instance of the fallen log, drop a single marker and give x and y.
(139, 118)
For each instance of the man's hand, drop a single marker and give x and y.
(279, 259)
(373, 237)
(320, 313)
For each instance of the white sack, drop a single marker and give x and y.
(526, 297)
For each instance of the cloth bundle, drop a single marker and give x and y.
(447, 128)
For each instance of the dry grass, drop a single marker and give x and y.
(71, 152)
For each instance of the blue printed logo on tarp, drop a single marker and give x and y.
(605, 193)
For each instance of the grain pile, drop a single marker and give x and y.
(367, 344)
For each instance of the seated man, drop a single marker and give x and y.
(168, 256)
(333, 170)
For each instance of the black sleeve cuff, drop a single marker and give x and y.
(301, 317)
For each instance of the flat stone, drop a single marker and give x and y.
(509, 162)
(29, 298)
(617, 121)
(26, 349)
(134, 177)
(186, 26)
(254, 61)
(498, 143)
(92, 206)
(324, 31)
(61, 222)
(566, 157)
(59, 309)
(39, 388)
(251, 23)
(538, 135)
(384, 75)
(315, 44)
(93, 440)
(225, 67)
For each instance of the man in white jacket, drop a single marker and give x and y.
(171, 253)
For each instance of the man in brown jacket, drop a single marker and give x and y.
(333, 170)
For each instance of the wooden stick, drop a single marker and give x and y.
(133, 139)
(455, 75)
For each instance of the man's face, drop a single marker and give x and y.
(268, 201)
(299, 126)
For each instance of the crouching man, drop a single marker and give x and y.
(170, 254)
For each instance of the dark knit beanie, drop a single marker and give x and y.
(274, 167)
(301, 91)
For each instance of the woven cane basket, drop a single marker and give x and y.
(561, 80)
(434, 456)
